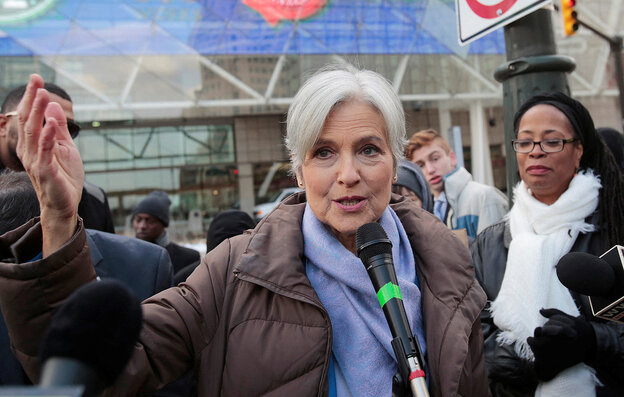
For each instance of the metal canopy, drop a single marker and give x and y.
(138, 84)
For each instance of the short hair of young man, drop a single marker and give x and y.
(425, 138)
(18, 200)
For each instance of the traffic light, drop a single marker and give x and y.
(570, 23)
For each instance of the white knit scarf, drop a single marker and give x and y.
(541, 235)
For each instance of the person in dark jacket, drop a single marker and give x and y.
(144, 268)
(225, 224)
(93, 207)
(150, 219)
(284, 309)
(541, 338)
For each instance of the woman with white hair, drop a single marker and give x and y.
(287, 309)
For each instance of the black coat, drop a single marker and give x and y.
(509, 375)
(94, 210)
(181, 256)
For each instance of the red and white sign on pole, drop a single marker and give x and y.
(476, 18)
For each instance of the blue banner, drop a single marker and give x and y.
(228, 27)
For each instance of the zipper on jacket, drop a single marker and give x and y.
(301, 298)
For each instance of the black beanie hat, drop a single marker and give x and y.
(226, 224)
(155, 204)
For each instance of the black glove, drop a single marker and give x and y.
(561, 343)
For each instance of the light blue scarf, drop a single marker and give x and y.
(362, 338)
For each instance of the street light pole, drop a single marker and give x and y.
(615, 43)
(532, 66)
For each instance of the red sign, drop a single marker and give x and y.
(293, 10)
(490, 11)
(476, 18)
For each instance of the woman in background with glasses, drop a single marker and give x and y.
(569, 199)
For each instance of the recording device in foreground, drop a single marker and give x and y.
(91, 337)
(375, 250)
(600, 278)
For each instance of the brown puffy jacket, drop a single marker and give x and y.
(248, 319)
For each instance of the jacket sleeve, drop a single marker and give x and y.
(178, 324)
(493, 209)
(609, 361)
(164, 272)
(508, 373)
(475, 364)
(31, 291)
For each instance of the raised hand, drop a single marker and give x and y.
(52, 161)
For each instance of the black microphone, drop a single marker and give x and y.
(375, 250)
(600, 278)
(91, 337)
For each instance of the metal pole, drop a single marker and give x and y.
(532, 66)
(616, 48)
(615, 43)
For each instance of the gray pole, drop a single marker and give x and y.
(615, 43)
(532, 66)
(616, 48)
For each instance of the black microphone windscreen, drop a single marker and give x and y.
(370, 240)
(585, 273)
(97, 325)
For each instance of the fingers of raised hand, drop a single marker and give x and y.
(31, 116)
(55, 111)
(23, 110)
(47, 142)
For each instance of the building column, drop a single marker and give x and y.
(444, 115)
(480, 146)
(246, 188)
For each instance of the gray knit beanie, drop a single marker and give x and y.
(410, 175)
(155, 204)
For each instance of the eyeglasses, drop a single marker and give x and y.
(547, 146)
(72, 126)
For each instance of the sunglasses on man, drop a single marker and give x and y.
(72, 126)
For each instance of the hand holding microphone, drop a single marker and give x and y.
(562, 342)
(565, 340)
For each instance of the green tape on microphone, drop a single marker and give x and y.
(388, 292)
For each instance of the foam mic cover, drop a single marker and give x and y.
(371, 240)
(600, 278)
(586, 273)
(95, 327)
(374, 248)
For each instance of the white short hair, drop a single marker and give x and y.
(331, 86)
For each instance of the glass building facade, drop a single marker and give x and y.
(190, 96)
